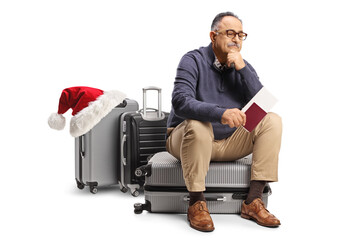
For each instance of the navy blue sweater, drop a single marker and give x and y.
(203, 92)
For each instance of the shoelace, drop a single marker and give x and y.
(262, 206)
(202, 208)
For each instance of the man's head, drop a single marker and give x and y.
(226, 34)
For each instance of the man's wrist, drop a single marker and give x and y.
(240, 64)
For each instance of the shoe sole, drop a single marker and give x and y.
(199, 229)
(243, 215)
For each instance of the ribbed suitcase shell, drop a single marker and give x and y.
(141, 138)
(144, 133)
(177, 202)
(97, 151)
(166, 171)
(227, 184)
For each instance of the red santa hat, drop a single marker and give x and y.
(89, 106)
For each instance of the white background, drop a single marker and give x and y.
(305, 52)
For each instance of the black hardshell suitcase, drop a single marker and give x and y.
(143, 134)
(97, 151)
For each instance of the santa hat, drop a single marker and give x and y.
(89, 106)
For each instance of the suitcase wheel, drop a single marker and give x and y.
(139, 172)
(93, 189)
(123, 189)
(138, 208)
(79, 184)
(135, 193)
(144, 170)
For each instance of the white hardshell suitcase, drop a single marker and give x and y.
(227, 185)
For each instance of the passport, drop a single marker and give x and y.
(253, 116)
(257, 108)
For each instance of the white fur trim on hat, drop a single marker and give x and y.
(88, 117)
(56, 121)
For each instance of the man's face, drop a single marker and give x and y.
(222, 44)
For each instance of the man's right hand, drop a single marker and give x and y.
(235, 58)
(233, 117)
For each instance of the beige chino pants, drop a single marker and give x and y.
(193, 143)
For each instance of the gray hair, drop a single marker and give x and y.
(219, 17)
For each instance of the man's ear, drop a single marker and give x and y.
(213, 36)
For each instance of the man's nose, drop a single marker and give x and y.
(236, 39)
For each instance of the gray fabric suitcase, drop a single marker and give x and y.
(227, 185)
(97, 151)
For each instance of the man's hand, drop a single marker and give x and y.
(233, 117)
(235, 57)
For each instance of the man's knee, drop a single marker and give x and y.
(274, 121)
(273, 118)
(198, 130)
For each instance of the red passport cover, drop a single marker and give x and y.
(253, 116)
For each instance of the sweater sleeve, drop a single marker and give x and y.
(250, 81)
(184, 100)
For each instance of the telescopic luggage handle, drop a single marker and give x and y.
(146, 115)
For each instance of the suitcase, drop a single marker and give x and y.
(227, 185)
(97, 151)
(143, 134)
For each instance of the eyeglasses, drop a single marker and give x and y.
(231, 34)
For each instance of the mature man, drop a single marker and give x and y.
(212, 84)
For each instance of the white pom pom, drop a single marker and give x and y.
(57, 121)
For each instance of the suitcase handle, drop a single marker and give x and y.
(210, 199)
(152, 88)
(160, 114)
(123, 159)
(82, 146)
(142, 110)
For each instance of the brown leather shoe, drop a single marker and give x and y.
(256, 211)
(199, 217)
